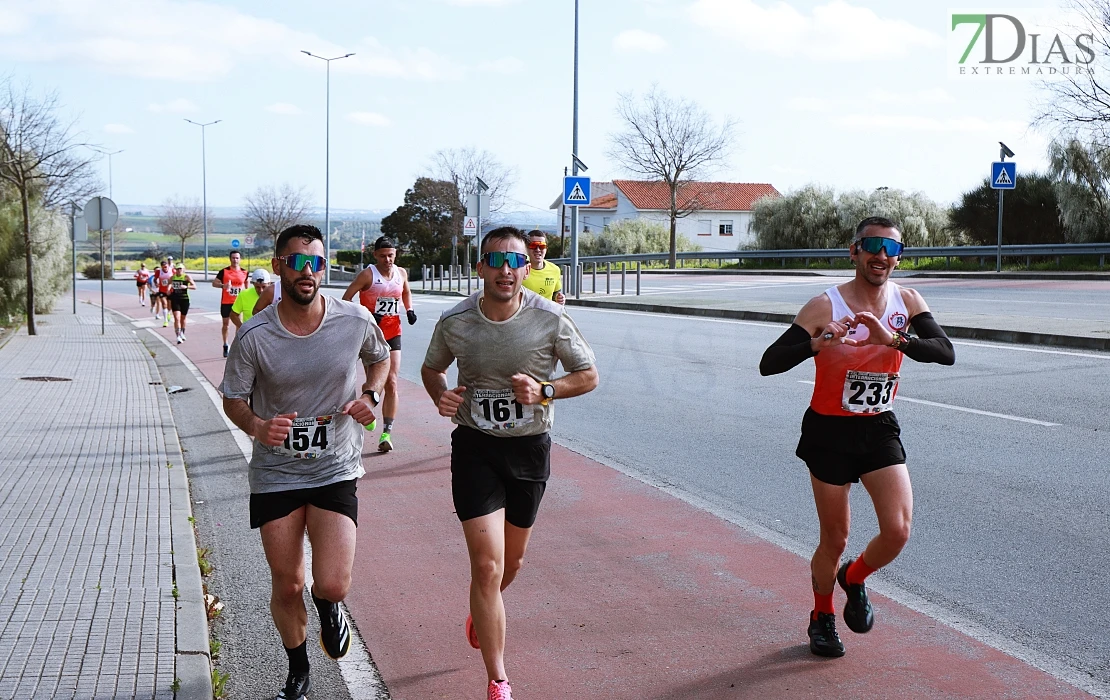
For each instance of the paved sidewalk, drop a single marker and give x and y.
(93, 507)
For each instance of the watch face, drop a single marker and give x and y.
(548, 391)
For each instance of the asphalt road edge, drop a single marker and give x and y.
(990, 334)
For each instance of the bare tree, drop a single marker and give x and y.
(463, 167)
(183, 219)
(42, 159)
(670, 140)
(271, 210)
(1079, 103)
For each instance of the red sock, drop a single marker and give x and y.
(822, 603)
(858, 571)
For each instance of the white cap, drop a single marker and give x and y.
(260, 275)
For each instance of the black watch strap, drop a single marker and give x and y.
(375, 397)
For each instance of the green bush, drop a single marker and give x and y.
(93, 271)
(630, 236)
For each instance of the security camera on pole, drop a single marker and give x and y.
(1003, 177)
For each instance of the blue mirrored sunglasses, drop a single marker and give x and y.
(873, 244)
(297, 261)
(495, 258)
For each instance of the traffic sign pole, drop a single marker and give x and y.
(1003, 177)
(998, 258)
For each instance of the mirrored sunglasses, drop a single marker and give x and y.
(538, 246)
(297, 261)
(496, 258)
(873, 244)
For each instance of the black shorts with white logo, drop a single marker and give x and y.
(339, 497)
(839, 449)
(489, 473)
(179, 305)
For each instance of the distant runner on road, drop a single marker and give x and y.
(291, 383)
(142, 276)
(383, 288)
(543, 279)
(179, 299)
(233, 280)
(243, 308)
(855, 333)
(506, 341)
(165, 287)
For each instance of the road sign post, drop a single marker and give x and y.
(1003, 177)
(576, 193)
(100, 214)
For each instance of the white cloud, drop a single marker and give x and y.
(189, 41)
(907, 122)
(808, 104)
(917, 97)
(836, 31)
(284, 108)
(368, 119)
(178, 106)
(118, 129)
(637, 40)
(510, 65)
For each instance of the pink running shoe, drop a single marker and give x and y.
(499, 690)
(471, 633)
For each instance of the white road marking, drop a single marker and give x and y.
(1037, 350)
(878, 583)
(358, 670)
(976, 411)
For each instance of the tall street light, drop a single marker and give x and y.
(327, 162)
(204, 187)
(112, 233)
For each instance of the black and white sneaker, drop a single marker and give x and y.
(296, 685)
(858, 613)
(335, 633)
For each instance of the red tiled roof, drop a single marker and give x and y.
(605, 201)
(712, 196)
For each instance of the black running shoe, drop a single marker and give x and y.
(335, 633)
(296, 685)
(226, 348)
(858, 614)
(823, 639)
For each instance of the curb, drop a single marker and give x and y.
(193, 663)
(990, 334)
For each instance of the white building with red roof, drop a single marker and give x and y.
(719, 217)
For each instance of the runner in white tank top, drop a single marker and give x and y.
(855, 333)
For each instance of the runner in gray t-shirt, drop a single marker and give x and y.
(507, 342)
(290, 382)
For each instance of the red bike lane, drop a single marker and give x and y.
(626, 591)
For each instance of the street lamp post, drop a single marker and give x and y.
(327, 161)
(573, 286)
(204, 187)
(112, 232)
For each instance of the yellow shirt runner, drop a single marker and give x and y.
(546, 281)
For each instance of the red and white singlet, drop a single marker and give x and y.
(383, 299)
(854, 381)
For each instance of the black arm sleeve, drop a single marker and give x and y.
(790, 350)
(931, 345)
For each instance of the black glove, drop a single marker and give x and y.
(412, 316)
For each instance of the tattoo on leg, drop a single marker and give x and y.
(813, 579)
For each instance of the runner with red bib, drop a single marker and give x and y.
(232, 279)
(383, 288)
(856, 334)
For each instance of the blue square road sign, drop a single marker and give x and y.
(1003, 175)
(576, 191)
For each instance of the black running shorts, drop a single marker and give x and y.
(489, 473)
(225, 310)
(394, 343)
(178, 304)
(838, 449)
(338, 497)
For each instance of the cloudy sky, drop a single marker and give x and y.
(848, 93)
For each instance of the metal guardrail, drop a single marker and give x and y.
(969, 251)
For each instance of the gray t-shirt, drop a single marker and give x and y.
(489, 353)
(313, 375)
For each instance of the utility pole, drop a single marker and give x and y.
(573, 286)
(204, 187)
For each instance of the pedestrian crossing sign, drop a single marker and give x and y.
(576, 191)
(1003, 175)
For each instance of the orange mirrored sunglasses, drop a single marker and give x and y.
(538, 246)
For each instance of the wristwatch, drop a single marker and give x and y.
(900, 340)
(547, 390)
(375, 397)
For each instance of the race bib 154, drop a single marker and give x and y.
(309, 438)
